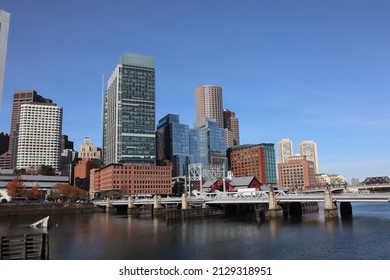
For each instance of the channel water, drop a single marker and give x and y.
(120, 237)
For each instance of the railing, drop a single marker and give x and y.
(25, 247)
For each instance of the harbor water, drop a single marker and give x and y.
(100, 236)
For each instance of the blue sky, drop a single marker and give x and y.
(303, 69)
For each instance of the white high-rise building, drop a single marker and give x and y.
(4, 27)
(308, 148)
(39, 136)
(285, 150)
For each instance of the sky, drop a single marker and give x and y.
(303, 70)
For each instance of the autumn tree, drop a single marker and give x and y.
(16, 188)
(36, 192)
(68, 191)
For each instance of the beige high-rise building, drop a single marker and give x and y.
(4, 28)
(208, 103)
(88, 150)
(285, 150)
(308, 148)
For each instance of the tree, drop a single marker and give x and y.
(47, 170)
(36, 192)
(16, 188)
(68, 191)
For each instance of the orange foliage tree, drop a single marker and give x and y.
(36, 192)
(68, 191)
(16, 188)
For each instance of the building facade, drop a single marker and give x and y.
(207, 142)
(308, 148)
(209, 104)
(89, 151)
(126, 179)
(285, 150)
(39, 136)
(4, 28)
(8, 159)
(254, 160)
(297, 174)
(129, 112)
(232, 132)
(173, 144)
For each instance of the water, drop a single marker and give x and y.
(119, 237)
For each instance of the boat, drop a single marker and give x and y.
(42, 223)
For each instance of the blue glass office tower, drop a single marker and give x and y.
(172, 140)
(129, 112)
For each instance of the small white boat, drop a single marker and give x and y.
(42, 223)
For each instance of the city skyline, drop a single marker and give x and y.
(299, 70)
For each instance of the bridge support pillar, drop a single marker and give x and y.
(131, 208)
(157, 203)
(330, 206)
(274, 209)
(109, 207)
(184, 201)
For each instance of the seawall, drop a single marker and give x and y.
(16, 209)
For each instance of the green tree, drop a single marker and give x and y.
(47, 170)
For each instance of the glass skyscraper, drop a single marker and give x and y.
(4, 27)
(173, 144)
(129, 112)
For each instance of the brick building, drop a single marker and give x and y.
(297, 173)
(126, 179)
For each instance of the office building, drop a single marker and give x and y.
(207, 142)
(126, 179)
(173, 144)
(39, 136)
(8, 159)
(230, 123)
(4, 28)
(285, 150)
(129, 112)
(297, 173)
(89, 150)
(308, 148)
(254, 160)
(208, 103)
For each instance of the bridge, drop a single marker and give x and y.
(273, 199)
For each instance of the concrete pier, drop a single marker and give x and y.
(274, 209)
(330, 206)
(109, 207)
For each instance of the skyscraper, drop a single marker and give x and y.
(173, 144)
(129, 112)
(8, 159)
(39, 136)
(230, 123)
(285, 150)
(208, 103)
(308, 148)
(4, 27)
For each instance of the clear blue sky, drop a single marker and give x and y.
(303, 69)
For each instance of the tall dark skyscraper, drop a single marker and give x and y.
(129, 112)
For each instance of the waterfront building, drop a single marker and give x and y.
(129, 112)
(126, 179)
(230, 123)
(254, 160)
(308, 148)
(285, 150)
(4, 28)
(297, 173)
(330, 180)
(208, 103)
(173, 144)
(82, 169)
(44, 183)
(39, 136)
